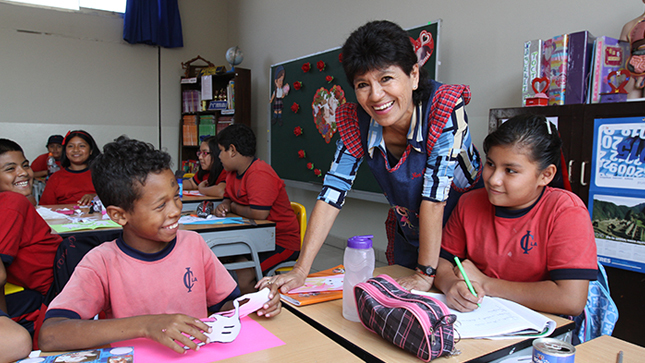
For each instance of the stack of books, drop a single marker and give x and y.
(189, 127)
(191, 101)
(206, 126)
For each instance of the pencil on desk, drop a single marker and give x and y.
(463, 273)
(620, 357)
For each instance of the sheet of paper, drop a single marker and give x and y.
(320, 284)
(193, 193)
(253, 337)
(47, 213)
(498, 318)
(84, 225)
(207, 87)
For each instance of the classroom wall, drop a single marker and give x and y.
(62, 70)
(480, 45)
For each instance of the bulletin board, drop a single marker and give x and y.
(303, 131)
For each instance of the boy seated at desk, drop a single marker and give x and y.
(155, 281)
(254, 190)
(520, 239)
(27, 246)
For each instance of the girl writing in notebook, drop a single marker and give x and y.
(210, 179)
(73, 183)
(519, 238)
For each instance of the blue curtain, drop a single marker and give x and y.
(154, 22)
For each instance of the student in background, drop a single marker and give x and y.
(15, 342)
(519, 238)
(155, 281)
(210, 179)
(27, 246)
(55, 147)
(73, 183)
(254, 190)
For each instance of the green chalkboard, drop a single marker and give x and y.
(306, 156)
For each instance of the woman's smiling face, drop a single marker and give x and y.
(386, 94)
(15, 173)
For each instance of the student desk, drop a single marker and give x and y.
(303, 343)
(190, 202)
(224, 240)
(327, 317)
(605, 349)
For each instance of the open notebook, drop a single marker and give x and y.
(499, 318)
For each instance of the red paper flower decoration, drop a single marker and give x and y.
(317, 172)
(295, 107)
(297, 131)
(320, 65)
(297, 85)
(306, 67)
(340, 57)
(310, 166)
(301, 154)
(329, 79)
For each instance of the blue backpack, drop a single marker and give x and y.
(600, 314)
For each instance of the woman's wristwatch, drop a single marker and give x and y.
(426, 270)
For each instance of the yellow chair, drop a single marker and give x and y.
(301, 216)
(10, 288)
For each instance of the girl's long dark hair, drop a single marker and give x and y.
(216, 166)
(94, 149)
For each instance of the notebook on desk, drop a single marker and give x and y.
(308, 298)
(499, 318)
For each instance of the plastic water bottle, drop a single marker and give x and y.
(52, 167)
(359, 266)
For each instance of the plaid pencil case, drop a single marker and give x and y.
(418, 324)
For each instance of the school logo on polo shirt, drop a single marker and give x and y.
(189, 279)
(527, 243)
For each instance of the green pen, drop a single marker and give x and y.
(463, 273)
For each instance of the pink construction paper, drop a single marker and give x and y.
(253, 337)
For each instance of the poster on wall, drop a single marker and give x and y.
(304, 95)
(617, 192)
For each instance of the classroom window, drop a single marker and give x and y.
(107, 5)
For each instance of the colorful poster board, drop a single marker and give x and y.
(617, 192)
(302, 125)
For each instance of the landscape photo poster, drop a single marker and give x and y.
(617, 192)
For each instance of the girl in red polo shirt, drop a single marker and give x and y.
(73, 183)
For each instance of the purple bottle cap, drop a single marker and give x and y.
(360, 242)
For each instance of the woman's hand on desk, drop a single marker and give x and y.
(416, 282)
(285, 282)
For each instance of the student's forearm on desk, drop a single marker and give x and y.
(248, 212)
(216, 191)
(67, 334)
(566, 297)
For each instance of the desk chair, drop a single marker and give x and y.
(10, 288)
(301, 216)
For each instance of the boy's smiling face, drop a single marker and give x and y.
(153, 220)
(15, 173)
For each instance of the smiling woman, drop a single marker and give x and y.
(414, 136)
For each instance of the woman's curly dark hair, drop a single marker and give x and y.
(378, 45)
